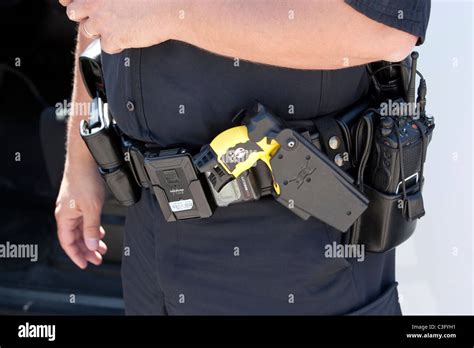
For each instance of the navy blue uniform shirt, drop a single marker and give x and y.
(254, 258)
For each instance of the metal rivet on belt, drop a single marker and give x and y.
(334, 142)
(339, 160)
(130, 106)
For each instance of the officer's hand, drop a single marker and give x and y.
(121, 24)
(78, 209)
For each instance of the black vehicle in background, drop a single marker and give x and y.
(36, 64)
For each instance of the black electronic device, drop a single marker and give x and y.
(390, 167)
(391, 134)
(177, 186)
(402, 131)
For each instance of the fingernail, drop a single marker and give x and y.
(92, 243)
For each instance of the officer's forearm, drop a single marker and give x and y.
(78, 155)
(300, 34)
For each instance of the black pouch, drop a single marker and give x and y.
(103, 141)
(389, 219)
(121, 184)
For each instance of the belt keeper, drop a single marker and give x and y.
(137, 166)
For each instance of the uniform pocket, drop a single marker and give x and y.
(385, 304)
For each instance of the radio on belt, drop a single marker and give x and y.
(177, 185)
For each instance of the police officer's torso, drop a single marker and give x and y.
(182, 94)
(175, 93)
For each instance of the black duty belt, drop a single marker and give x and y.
(183, 193)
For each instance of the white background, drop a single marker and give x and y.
(435, 267)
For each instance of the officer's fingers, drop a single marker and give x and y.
(102, 246)
(102, 232)
(70, 233)
(67, 234)
(91, 228)
(88, 30)
(67, 227)
(108, 46)
(76, 256)
(93, 257)
(102, 249)
(72, 249)
(113, 50)
(79, 10)
(65, 2)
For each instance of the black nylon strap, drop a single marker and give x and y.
(328, 128)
